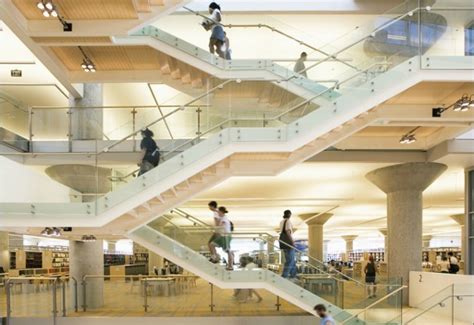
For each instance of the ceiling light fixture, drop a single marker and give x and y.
(88, 238)
(49, 10)
(87, 64)
(51, 232)
(409, 138)
(463, 104)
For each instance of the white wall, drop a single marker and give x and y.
(423, 285)
(20, 183)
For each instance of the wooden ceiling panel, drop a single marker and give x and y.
(143, 5)
(82, 9)
(395, 131)
(433, 93)
(72, 40)
(109, 58)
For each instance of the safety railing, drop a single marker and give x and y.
(49, 297)
(172, 294)
(450, 305)
(395, 307)
(314, 275)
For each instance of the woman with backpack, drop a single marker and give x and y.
(224, 231)
(150, 153)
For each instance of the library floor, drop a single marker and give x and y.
(122, 299)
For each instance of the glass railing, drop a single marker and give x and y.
(451, 305)
(315, 276)
(236, 111)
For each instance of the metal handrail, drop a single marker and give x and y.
(114, 106)
(439, 303)
(277, 117)
(273, 29)
(374, 304)
(182, 107)
(381, 27)
(262, 234)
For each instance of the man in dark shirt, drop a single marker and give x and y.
(150, 153)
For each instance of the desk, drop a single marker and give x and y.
(158, 286)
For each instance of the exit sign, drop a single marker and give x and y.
(15, 73)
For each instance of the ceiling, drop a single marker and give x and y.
(339, 188)
(89, 9)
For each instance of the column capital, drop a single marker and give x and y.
(349, 238)
(459, 218)
(383, 231)
(427, 237)
(315, 218)
(416, 176)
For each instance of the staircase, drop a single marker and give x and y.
(229, 150)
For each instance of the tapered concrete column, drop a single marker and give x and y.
(427, 241)
(87, 258)
(315, 222)
(384, 233)
(460, 219)
(404, 185)
(349, 242)
(4, 251)
(87, 124)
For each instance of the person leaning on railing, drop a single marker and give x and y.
(150, 153)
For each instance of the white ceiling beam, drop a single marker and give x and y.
(10, 15)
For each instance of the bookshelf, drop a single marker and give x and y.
(12, 260)
(60, 259)
(34, 260)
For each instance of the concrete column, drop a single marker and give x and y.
(349, 242)
(87, 124)
(460, 219)
(384, 233)
(427, 241)
(404, 185)
(4, 251)
(87, 258)
(315, 222)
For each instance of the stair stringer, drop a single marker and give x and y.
(239, 279)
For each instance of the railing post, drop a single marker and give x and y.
(452, 304)
(55, 307)
(134, 113)
(8, 286)
(69, 128)
(84, 295)
(145, 295)
(212, 297)
(30, 128)
(76, 304)
(64, 297)
(198, 111)
(278, 304)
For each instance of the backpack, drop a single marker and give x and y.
(231, 226)
(155, 157)
(285, 240)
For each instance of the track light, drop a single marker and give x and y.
(49, 5)
(87, 64)
(409, 138)
(463, 104)
(88, 238)
(49, 10)
(51, 232)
